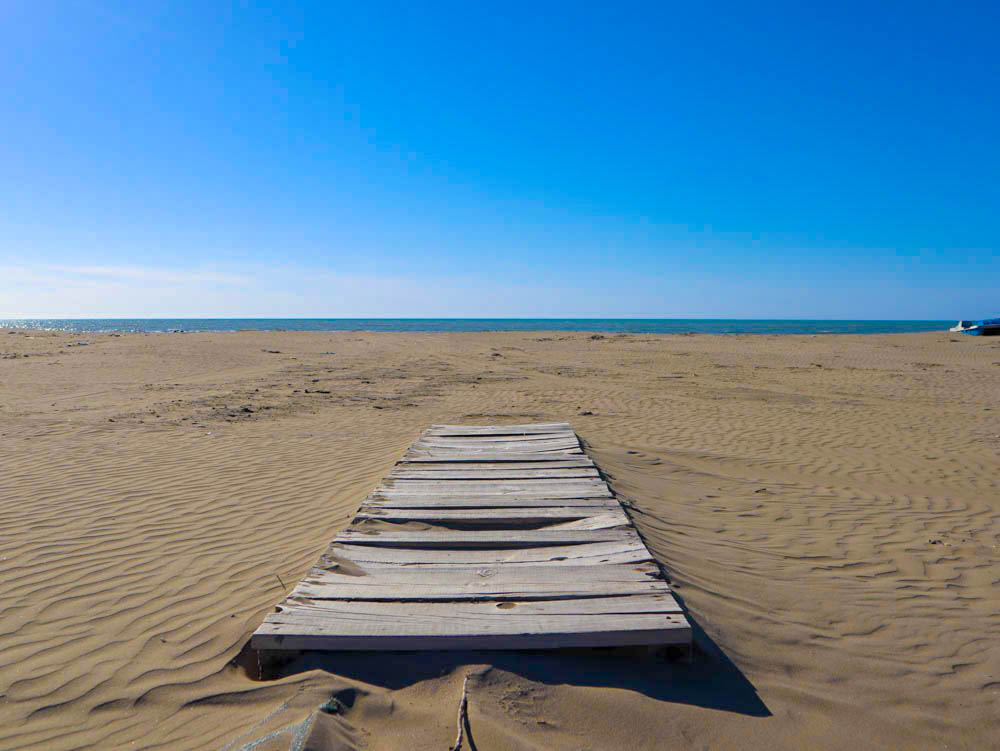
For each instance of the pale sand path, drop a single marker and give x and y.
(828, 509)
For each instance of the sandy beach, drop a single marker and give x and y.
(826, 507)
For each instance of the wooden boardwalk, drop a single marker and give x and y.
(483, 537)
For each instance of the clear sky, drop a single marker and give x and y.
(696, 159)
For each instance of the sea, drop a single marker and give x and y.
(600, 325)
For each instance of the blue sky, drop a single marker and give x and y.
(512, 159)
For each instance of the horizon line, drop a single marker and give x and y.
(452, 318)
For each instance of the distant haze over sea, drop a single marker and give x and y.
(603, 325)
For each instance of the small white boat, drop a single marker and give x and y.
(986, 327)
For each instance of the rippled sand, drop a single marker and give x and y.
(827, 508)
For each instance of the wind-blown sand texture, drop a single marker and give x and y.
(826, 507)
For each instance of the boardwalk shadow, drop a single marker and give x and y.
(711, 680)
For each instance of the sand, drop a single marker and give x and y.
(826, 507)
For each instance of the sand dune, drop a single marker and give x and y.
(827, 507)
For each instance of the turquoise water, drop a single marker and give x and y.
(604, 325)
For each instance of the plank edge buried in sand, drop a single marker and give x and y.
(444, 626)
(547, 635)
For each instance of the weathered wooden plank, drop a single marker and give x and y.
(493, 454)
(485, 456)
(664, 604)
(464, 539)
(493, 474)
(528, 445)
(478, 441)
(554, 497)
(500, 429)
(500, 435)
(478, 459)
(467, 438)
(446, 467)
(491, 482)
(498, 582)
(360, 628)
(491, 487)
(494, 516)
(497, 490)
(501, 426)
(489, 501)
(587, 554)
(542, 443)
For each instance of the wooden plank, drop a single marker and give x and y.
(477, 441)
(446, 456)
(494, 482)
(563, 451)
(464, 539)
(544, 460)
(493, 474)
(492, 487)
(404, 584)
(488, 456)
(445, 466)
(664, 604)
(492, 516)
(526, 445)
(557, 427)
(499, 434)
(488, 495)
(587, 554)
(478, 459)
(465, 447)
(547, 498)
(361, 628)
(496, 490)
(488, 502)
(529, 426)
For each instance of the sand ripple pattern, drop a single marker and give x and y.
(827, 507)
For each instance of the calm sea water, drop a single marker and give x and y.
(605, 325)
